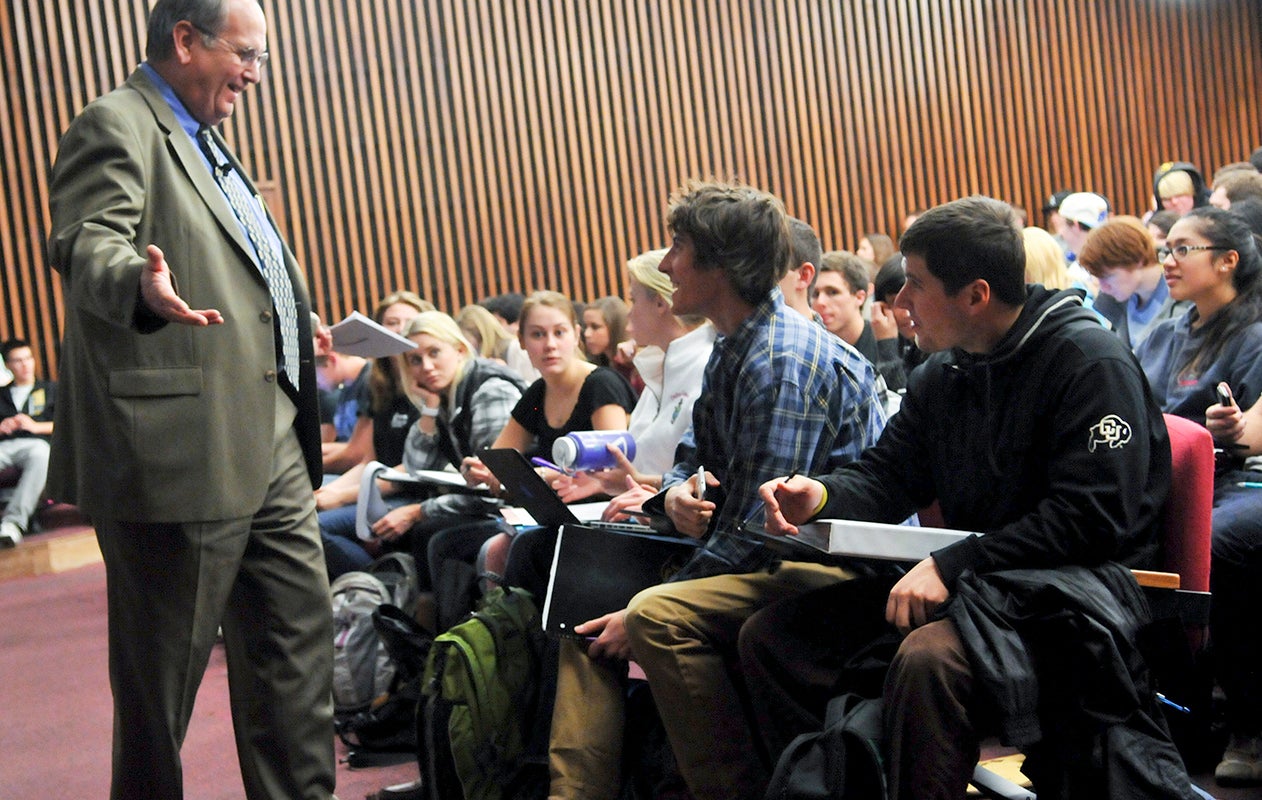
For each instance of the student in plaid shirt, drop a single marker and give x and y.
(780, 393)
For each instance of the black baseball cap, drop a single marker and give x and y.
(1053, 202)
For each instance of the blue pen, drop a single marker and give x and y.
(1249, 485)
(1161, 698)
(543, 462)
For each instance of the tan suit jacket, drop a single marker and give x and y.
(162, 422)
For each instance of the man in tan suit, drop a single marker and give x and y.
(188, 423)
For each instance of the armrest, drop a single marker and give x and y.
(1156, 580)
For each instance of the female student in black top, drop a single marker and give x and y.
(572, 394)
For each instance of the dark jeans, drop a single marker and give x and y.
(1236, 586)
(449, 555)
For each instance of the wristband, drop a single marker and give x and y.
(823, 501)
(427, 411)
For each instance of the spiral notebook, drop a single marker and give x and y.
(596, 571)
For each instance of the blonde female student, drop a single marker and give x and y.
(464, 402)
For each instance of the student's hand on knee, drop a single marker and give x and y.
(396, 522)
(789, 502)
(611, 636)
(916, 596)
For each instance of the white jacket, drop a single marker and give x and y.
(672, 383)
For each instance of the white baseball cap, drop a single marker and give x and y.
(1088, 209)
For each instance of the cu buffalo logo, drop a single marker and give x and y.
(1112, 431)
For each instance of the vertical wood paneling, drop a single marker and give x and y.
(467, 147)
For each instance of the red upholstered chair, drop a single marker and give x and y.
(1186, 519)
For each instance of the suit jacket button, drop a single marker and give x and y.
(270, 376)
(265, 316)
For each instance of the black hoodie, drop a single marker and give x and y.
(1200, 192)
(1050, 444)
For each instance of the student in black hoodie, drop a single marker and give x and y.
(1029, 423)
(1179, 186)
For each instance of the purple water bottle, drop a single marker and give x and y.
(586, 451)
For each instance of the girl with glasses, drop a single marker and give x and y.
(1212, 259)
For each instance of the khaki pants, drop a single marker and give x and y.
(585, 749)
(684, 635)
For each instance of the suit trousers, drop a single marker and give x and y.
(684, 635)
(262, 576)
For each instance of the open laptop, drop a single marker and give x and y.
(526, 488)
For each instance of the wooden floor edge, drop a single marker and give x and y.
(50, 553)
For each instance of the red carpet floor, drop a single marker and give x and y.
(55, 704)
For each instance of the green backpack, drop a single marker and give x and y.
(480, 698)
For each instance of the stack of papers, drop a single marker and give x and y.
(358, 335)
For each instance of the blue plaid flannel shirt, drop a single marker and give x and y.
(781, 394)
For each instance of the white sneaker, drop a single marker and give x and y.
(10, 534)
(1242, 763)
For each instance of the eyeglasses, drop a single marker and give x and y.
(1181, 252)
(247, 55)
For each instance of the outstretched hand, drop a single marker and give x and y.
(157, 289)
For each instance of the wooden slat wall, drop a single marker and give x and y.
(468, 147)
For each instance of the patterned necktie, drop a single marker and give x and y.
(273, 269)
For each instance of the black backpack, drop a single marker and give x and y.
(842, 760)
(389, 724)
